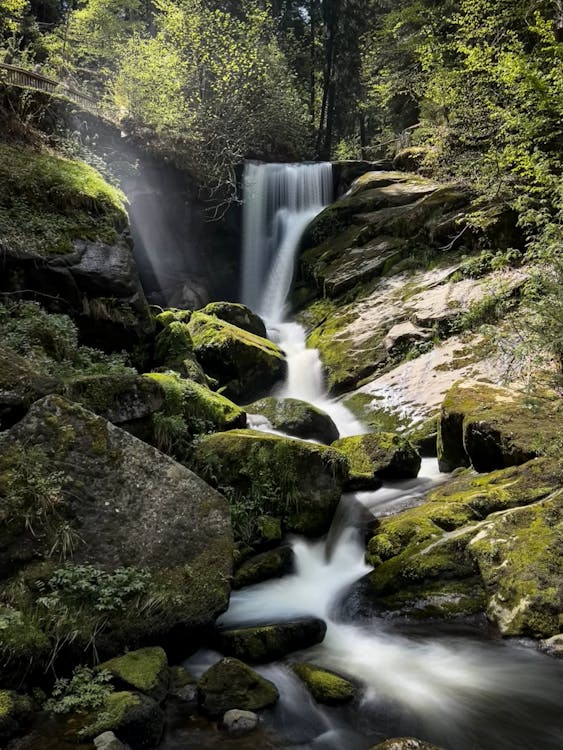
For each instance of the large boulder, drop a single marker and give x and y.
(264, 643)
(134, 718)
(297, 418)
(325, 686)
(238, 315)
(232, 684)
(271, 564)
(490, 427)
(299, 482)
(144, 670)
(246, 366)
(139, 528)
(377, 456)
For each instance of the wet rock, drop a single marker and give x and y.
(232, 684)
(491, 427)
(297, 418)
(135, 719)
(108, 741)
(144, 670)
(238, 315)
(325, 686)
(405, 743)
(265, 643)
(238, 723)
(377, 456)
(245, 365)
(272, 564)
(299, 482)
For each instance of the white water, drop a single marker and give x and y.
(462, 691)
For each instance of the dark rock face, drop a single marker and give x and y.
(97, 284)
(272, 564)
(232, 684)
(238, 315)
(265, 643)
(129, 506)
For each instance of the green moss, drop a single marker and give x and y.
(380, 454)
(173, 315)
(366, 407)
(325, 687)
(114, 712)
(145, 670)
(46, 202)
(173, 345)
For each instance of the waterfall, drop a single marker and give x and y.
(279, 201)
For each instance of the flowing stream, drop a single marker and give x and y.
(461, 687)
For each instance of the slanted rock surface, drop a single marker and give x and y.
(265, 643)
(376, 456)
(144, 670)
(325, 686)
(246, 366)
(232, 684)
(491, 427)
(296, 481)
(297, 418)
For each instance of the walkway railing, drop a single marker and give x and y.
(14, 76)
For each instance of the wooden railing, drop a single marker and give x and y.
(14, 76)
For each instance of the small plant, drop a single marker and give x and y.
(86, 690)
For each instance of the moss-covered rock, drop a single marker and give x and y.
(260, 473)
(144, 670)
(232, 684)
(140, 527)
(172, 315)
(265, 643)
(377, 456)
(297, 418)
(238, 315)
(325, 686)
(492, 427)
(424, 437)
(173, 345)
(15, 714)
(405, 743)
(20, 385)
(134, 718)
(245, 365)
(272, 564)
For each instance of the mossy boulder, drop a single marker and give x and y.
(232, 684)
(20, 385)
(265, 643)
(173, 345)
(299, 482)
(15, 714)
(172, 315)
(144, 670)
(325, 686)
(377, 456)
(126, 512)
(271, 564)
(238, 315)
(135, 719)
(297, 418)
(490, 427)
(424, 437)
(405, 743)
(246, 366)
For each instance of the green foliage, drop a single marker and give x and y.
(86, 690)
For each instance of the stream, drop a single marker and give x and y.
(460, 685)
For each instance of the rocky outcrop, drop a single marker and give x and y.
(231, 684)
(121, 511)
(265, 643)
(325, 686)
(298, 482)
(376, 456)
(297, 418)
(491, 427)
(20, 385)
(244, 365)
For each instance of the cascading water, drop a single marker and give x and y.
(457, 688)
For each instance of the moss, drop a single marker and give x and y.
(266, 643)
(378, 454)
(325, 687)
(173, 315)
(114, 712)
(46, 202)
(145, 670)
(366, 407)
(231, 684)
(442, 600)
(102, 393)
(238, 315)
(173, 345)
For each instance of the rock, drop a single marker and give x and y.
(299, 482)
(377, 456)
(411, 159)
(245, 365)
(173, 345)
(108, 741)
(121, 504)
(237, 723)
(325, 686)
(231, 684)
(120, 398)
(405, 743)
(15, 714)
(423, 436)
(492, 427)
(553, 646)
(267, 532)
(403, 336)
(135, 719)
(272, 564)
(265, 643)
(183, 686)
(238, 315)
(172, 315)
(20, 385)
(144, 670)
(297, 418)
